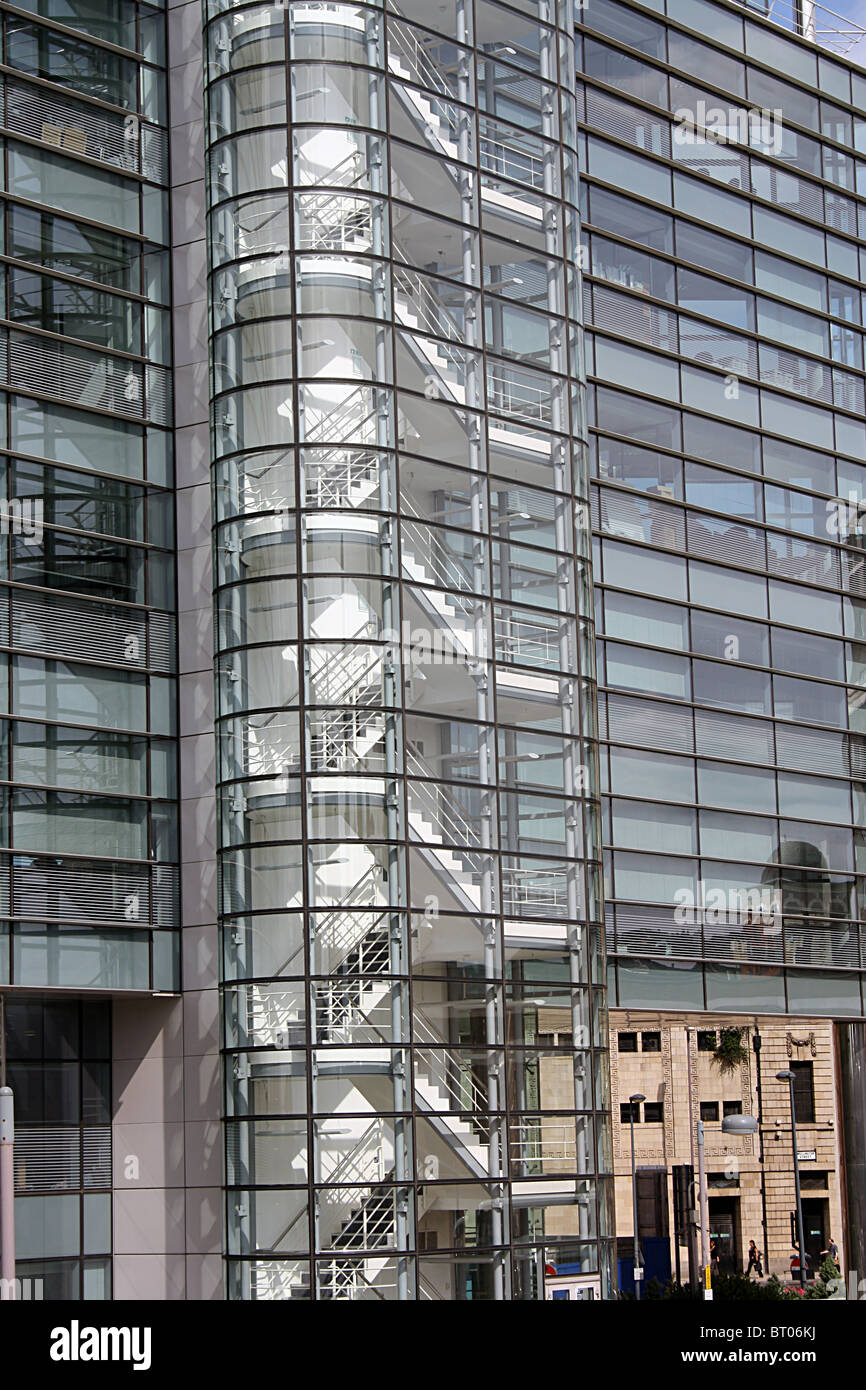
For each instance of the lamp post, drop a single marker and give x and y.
(731, 1124)
(7, 1195)
(632, 1102)
(705, 1215)
(7, 1171)
(789, 1077)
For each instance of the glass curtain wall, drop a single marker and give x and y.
(88, 840)
(410, 890)
(729, 453)
(58, 1054)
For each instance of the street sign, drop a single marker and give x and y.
(807, 1156)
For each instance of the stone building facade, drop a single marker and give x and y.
(669, 1058)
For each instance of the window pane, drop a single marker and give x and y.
(731, 688)
(634, 773)
(629, 171)
(74, 188)
(46, 1226)
(711, 205)
(790, 281)
(644, 571)
(741, 788)
(616, 213)
(641, 620)
(711, 439)
(714, 252)
(651, 985)
(661, 829)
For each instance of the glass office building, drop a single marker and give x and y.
(88, 820)
(433, 441)
(88, 857)
(722, 219)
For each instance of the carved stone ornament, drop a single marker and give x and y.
(791, 1042)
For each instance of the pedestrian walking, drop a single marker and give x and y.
(833, 1251)
(754, 1261)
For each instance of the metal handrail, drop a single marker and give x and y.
(510, 159)
(334, 419)
(276, 1276)
(348, 661)
(334, 479)
(263, 1003)
(531, 1137)
(353, 159)
(441, 1063)
(455, 823)
(518, 398)
(341, 1013)
(534, 887)
(338, 234)
(335, 748)
(421, 65)
(373, 950)
(350, 1162)
(446, 565)
(435, 316)
(840, 35)
(267, 757)
(363, 893)
(280, 503)
(522, 639)
(370, 1225)
(336, 1174)
(350, 1269)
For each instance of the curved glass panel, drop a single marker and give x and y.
(410, 848)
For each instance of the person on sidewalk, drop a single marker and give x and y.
(754, 1261)
(833, 1251)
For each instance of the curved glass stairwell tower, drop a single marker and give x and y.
(413, 959)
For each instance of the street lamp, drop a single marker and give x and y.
(789, 1077)
(731, 1124)
(739, 1124)
(705, 1215)
(7, 1171)
(632, 1102)
(7, 1194)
